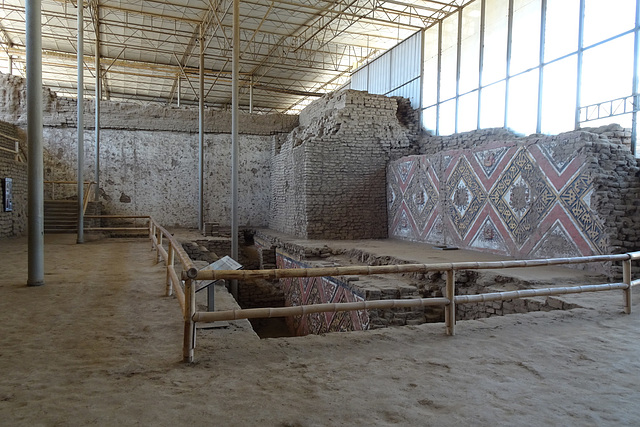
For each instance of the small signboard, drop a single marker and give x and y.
(224, 263)
(7, 194)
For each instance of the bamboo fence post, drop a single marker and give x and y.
(626, 278)
(189, 342)
(160, 234)
(170, 261)
(450, 309)
(152, 234)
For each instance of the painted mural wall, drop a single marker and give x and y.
(320, 290)
(535, 197)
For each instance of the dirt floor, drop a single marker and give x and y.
(100, 344)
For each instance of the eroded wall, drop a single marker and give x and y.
(328, 174)
(149, 156)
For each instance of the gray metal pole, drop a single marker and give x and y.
(439, 78)
(10, 66)
(98, 95)
(508, 72)
(458, 61)
(80, 57)
(234, 137)
(543, 28)
(179, 88)
(201, 137)
(251, 95)
(579, 71)
(636, 104)
(35, 185)
(483, 7)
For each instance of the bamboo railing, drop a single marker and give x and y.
(142, 228)
(186, 297)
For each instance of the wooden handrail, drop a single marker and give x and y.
(86, 196)
(86, 193)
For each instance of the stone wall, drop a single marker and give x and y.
(328, 174)
(13, 223)
(149, 156)
(566, 195)
(156, 173)
(62, 112)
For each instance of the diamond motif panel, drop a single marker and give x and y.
(576, 197)
(522, 197)
(422, 199)
(465, 197)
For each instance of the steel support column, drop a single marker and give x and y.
(439, 78)
(458, 60)
(636, 103)
(234, 137)
(97, 104)
(483, 9)
(508, 71)
(80, 100)
(10, 65)
(35, 276)
(201, 136)
(251, 95)
(543, 28)
(579, 69)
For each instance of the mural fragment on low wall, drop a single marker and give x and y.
(319, 290)
(524, 200)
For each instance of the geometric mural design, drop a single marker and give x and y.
(556, 243)
(576, 198)
(319, 290)
(557, 154)
(465, 197)
(498, 199)
(422, 198)
(489, 238)
(522, 196)
(489, 159)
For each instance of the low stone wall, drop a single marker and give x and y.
(572, 194)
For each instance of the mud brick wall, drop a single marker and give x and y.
(14, 223)
(149, 156)
(327, 173)
(62, 112)
(260, 293)
(572, 194)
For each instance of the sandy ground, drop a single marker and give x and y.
(100, 344)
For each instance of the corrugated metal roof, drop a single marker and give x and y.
(149, 49)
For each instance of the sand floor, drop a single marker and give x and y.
(99, 344)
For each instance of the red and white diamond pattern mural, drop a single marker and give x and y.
(530, 200)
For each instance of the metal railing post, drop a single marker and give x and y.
(450, 309)
(626, 278)
(189, 342)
